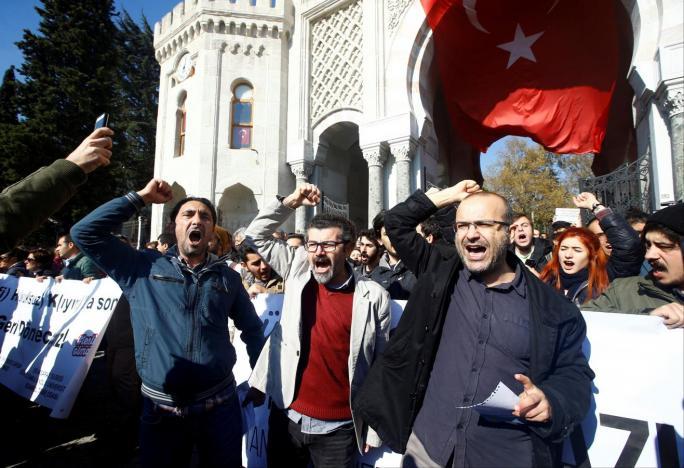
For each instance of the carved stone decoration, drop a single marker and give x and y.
(394, 12)
(302, 170)
(403, 152)
(336, 61)
(672, 102)
(374, 156)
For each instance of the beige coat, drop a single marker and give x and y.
(276, 370)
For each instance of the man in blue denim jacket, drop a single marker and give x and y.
(180, 305)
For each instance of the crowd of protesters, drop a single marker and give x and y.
(471, 270)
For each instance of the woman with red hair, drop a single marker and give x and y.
(578, 266)
(581, 268)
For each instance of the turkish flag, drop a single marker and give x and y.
(545, 69)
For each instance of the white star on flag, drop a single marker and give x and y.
(520, 46)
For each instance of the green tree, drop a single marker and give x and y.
(528, 176)
(574, 167)
(9, 110)
(136, 102)
(70, 71)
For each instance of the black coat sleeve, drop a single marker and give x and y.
(400, 224)
(628, 253)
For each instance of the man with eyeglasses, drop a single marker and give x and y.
(333, 327)
(475, 318)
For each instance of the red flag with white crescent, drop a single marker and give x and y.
(545, 69)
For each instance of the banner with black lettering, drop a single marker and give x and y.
(49, 333)
(636, 416)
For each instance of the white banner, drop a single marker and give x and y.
(636, 416)
(49, 333)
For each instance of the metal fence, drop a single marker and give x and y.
(627, 186)
(329, 205)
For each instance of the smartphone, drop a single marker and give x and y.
(102, 121)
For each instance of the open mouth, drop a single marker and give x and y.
(195, 236)
(321, 264)
(568, 264)
(475, 251)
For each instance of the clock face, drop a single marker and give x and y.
(184, 67)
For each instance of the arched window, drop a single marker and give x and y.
(242, 118)
(181, 125)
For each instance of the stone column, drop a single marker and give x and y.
(302, 170)
(671, 103)
(375, 156)
(403, 152)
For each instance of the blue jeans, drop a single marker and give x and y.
(167, 439)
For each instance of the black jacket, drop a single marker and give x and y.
(540, 256)
(628, 252)
(393, 391)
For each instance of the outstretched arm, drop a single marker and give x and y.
(93, 234)
(401, 222)
(29, 202)
(260, 231)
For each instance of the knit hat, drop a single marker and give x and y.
(671, 217)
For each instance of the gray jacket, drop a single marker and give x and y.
(276, 370)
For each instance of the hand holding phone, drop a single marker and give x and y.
(102, 121)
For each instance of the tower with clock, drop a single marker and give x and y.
(257, 96)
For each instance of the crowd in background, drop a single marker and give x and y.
(628, 263)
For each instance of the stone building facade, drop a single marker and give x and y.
(257, 96)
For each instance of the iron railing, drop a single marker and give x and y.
(628, 186)
(329, 205)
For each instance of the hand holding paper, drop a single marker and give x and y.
(533, 405)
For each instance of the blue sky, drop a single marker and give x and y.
(22, 15)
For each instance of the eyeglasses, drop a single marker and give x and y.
(479, 225)
(327, 246)
(30, 259)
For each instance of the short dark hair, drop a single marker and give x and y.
(296, 235)
(671, 235)
(369, 234)
(329, 220)
(564, 224)
(635, 215)
(166, 238)
(43, 257)
(66, 235)
(204, 201)
(520, 214)
(245, 249)
(379, 223)
(431, 227)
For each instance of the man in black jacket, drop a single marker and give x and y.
(532, 251)
(500, 323)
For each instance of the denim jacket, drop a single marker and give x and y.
(179, 315)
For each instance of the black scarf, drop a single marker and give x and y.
(572, 281)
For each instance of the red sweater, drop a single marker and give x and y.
(323, 391)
